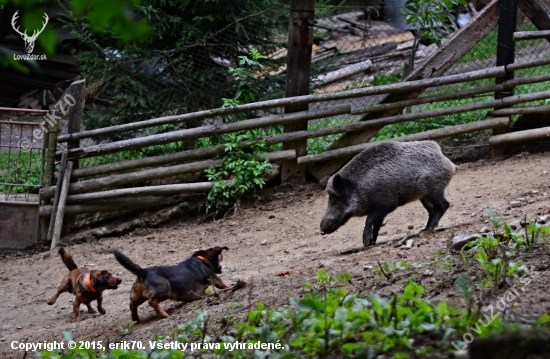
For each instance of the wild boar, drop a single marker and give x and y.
(384, 177)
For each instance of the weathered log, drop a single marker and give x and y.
(536, 134)
(368, 91)
(427, 135)
(50, 151)
(96, 184)
(153, 161)
(538, 11)
(62, 168)
(297, 80)
(530, 35)
(206, 131)
(142, 191)
(345, 72)
(528, 110)
(430, 99)
(528, 64)
(120, 204)
(449, 53)
(525, 80)
(61, 205)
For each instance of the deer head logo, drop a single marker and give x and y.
(29, 40)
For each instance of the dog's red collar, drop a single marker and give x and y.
(203, 258)
(89, 284)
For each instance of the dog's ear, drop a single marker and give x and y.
(220, 249)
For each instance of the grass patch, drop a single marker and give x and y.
(20, 167)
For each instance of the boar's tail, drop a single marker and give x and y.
(128, 264)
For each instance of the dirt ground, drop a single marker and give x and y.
(277, 234)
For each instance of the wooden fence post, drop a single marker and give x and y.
(507, 15)
(76, 90)
(300, 42)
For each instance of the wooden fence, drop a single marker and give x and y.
(93, 189)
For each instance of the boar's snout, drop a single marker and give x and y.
(329, 225)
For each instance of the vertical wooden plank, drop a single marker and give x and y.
(62, 167)
(61, 207)
(76, 90)
(300, 42)
(50, 151)
(507, 16)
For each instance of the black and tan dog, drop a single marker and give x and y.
(183, 282)
(87, 285)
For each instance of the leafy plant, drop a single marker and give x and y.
(125, 331)
(241, 171)
(246, 75)
(429, 19)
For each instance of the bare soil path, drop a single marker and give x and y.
(277, 234)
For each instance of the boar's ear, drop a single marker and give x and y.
(338, 183)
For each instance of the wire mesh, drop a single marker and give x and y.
(354, 47)
(21, 161)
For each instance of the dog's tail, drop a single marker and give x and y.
(128, 264)
(67, 258)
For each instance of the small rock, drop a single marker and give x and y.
(531, 201)
(515, 204)
(19, 327)
(460, 241)
(384, 222)
(263, 243)
(428, 273)
(46, 255)
(410, 226)
(286, 251)
(479, 196)
(409, 244)
(534, 191)
(521, 199)
(367, 267)
(543, 219)
(271, 216)
(397, 231)
(485, 230)
(2, 339)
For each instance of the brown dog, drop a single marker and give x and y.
(184, 282)
(87, 285)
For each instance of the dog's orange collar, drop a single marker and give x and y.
(89, 284)
(203, 258)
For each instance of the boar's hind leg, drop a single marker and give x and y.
(373, 223)
(436, 207)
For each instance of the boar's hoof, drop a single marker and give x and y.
(368, 241)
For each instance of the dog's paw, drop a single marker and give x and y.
(72, 319)
(102, 311)
(50, 302)
(92, 311)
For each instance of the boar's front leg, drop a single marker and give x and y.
(373, 224)
(436, 205)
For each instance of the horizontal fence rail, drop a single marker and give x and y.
(369, 91)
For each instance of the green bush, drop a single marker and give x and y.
(241, 171)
